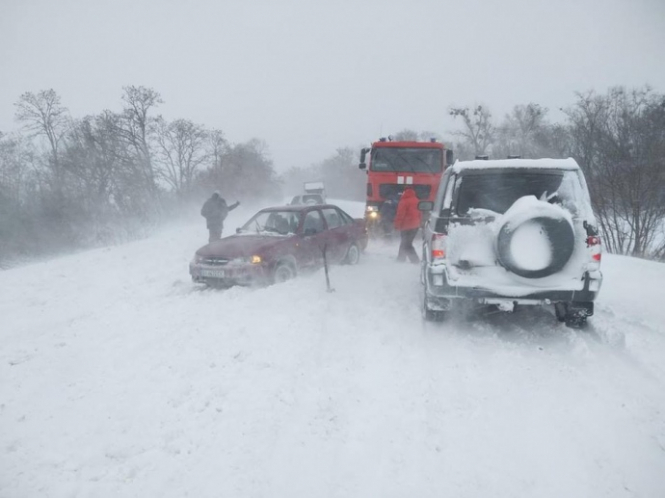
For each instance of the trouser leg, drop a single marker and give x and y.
(406, 249)
(215, 233)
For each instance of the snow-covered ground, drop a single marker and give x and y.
(119, 378)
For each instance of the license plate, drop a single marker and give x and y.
(213, 273)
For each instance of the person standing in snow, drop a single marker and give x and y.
(215, 210)
(407, 221)
(387, 214)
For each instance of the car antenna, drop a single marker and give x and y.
(325, 267)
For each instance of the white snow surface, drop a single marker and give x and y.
(530, 246)
(120, 378)
(565, 164)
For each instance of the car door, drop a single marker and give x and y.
(312, 239)
(338, 238)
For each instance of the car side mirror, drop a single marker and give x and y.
(238, 230)
(425, 205)
(362, 166)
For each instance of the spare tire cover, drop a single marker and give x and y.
(524, 255)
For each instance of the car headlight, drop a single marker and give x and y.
(255, 259)
(372, 209)
(198, 258)
(373, 215)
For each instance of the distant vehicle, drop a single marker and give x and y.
(512, 232)
(315, 188)
(277, 243)
(309, 199)
(394, 166)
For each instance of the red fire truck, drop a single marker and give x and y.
(394, 166)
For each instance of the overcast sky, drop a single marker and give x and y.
(310, 76)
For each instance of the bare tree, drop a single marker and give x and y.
(136, 127)
(217, 145)
(182, 149)
(478, 131)
(43, 115)
(518, 133)
(17, 159)
(406, 135)
(243, 171)
(619, 139)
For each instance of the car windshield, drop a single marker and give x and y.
(497, 191)
(414, 160)
(273, 222)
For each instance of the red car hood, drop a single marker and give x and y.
(237, 246)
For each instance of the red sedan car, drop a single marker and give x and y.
(276, 243)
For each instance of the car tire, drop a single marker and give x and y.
(430, 315)
(573, 314)
(283, 272)
(562, 241)
(352, 255)
(560, 311)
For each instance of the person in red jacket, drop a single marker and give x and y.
(407, 221)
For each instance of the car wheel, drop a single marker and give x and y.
(352, 255)
(573, 314)
(560, 311)
(283, 272)
(430, 315)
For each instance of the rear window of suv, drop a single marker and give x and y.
(497, 190)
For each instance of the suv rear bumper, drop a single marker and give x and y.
(439, 296)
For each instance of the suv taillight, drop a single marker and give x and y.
(595, 251)
(438, 246)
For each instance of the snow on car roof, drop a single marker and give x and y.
(298, 207)
(567, 164)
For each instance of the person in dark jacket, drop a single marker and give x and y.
(387, 214)
(215, 210)
(407, 221)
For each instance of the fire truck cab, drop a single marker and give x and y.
(392, 167)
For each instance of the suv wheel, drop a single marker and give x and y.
(573, 314)
(431, 315)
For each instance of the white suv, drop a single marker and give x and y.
(512, 232)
